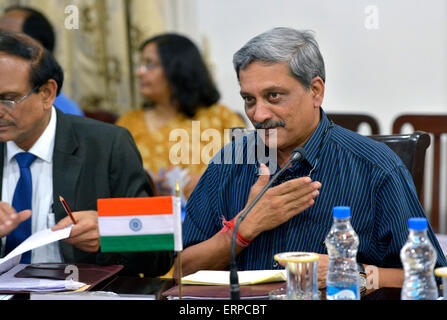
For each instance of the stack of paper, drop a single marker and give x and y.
(9, 266)
(214, 277)
(10, 283)
(90, 295)
(34, 241)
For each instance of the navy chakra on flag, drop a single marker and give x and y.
(135, 224)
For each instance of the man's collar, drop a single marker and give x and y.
(66, 141)
(312, 146)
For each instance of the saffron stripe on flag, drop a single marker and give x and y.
(157, 242)
(134, 206)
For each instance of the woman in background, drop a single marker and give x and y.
(179, 90)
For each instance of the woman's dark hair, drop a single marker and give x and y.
(43, 65)
(187, 74)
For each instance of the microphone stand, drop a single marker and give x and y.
(298, 155)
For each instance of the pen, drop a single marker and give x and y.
(67, 209)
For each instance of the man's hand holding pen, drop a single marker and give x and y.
(85, 233)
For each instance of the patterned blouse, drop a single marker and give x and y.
(185, 142)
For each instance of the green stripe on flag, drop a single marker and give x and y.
(147, 242)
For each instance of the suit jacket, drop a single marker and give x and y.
(93, 160)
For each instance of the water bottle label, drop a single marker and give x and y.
(342, 293)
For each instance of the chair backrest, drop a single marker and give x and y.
(102, 115)
(352, 121)
(411, 148)
(435, 124)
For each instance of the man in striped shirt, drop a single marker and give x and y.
(282, 79)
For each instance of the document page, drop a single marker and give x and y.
(36, 240)
(213, 277)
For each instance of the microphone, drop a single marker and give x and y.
(298, 155)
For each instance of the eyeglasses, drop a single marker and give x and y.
(148, 66)
(11, 104)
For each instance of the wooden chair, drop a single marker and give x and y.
(102, 115)
(352, 121)
(436, 125)
(411, 148)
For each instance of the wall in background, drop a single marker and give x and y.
(383, 57)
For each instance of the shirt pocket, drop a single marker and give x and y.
(51, 220)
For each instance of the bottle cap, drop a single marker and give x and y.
(341, 212)
(418, 224)
(441, 272)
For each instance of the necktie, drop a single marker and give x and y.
(22, 201)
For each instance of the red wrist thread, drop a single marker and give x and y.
(228, 227)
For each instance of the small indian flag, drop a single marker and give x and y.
(140, 224)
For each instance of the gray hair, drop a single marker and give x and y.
(299, 48)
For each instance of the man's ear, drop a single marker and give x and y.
(317, 89)
(48, 92)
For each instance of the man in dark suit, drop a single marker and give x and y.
(78, 158)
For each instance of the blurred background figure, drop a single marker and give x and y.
(36, 25)
(178, 90)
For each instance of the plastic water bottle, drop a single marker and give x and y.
(418, 258)
(342, 282)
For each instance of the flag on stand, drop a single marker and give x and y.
(140, 224)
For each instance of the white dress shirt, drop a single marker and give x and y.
(42, 177)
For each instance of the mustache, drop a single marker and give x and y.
(7, 123)
(269, 124)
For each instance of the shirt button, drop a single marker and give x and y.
(275, 264)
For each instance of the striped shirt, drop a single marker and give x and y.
(354, 171)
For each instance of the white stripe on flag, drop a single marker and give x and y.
(149, 224)
(178, 242)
